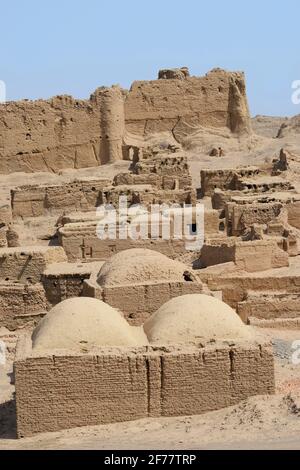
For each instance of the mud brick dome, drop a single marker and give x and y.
(79, 323)
(137, 266)
(195, 317)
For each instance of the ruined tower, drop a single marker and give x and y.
(112, 122)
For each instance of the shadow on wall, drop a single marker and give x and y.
(8, 420)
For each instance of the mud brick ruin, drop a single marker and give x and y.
(117, 329)
(132, 374)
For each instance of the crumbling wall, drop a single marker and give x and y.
(235, 287)
(27, 264)
(294, 214)
(21, 304)
(269, 306)
(39, 200)
(123, 385)
(260, 255)
(62, 132)
(240, 217)
(62, 281)
(80, 240)
(50, 135)
(225, 179)
(250, 256)
(5, 218)
(138, 302)
(218, 252)
(131, 179)
(181, 105)
(262, 185)
(147, 195)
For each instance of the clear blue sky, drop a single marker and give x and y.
(51, 47)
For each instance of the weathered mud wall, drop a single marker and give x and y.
(62, 132)
(131, 384)
(216, 100)
(50, 135)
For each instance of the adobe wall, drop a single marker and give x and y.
(116, 385)
(294, 214)
(27, 264)
(65, 280)
(217, 253)
(225, 179)
(276, 323)
(216, 100)
(39, 200)
(221, 197)
(264, 184)
(241, 216)
(235, 287)
(5, 211)
(250, 256)
(166, 182)
(211, 222)
(131, 179)
(50, 135)
(259, 256)
(5, 218)
(80, 241)
(147, 195)
(62, 132)
(138, 302)
(270, 306)
(21, 304)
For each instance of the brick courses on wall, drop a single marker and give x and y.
(40, 200)
(64, 390)
(139, 302)
(26, 264)
(21, 304)
(80, 240)
(249, 256)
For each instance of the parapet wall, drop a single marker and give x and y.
(117, 385)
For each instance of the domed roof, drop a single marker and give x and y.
(82, 322)
(138, 266)
(190, 318)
